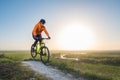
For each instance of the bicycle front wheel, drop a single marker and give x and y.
(45, 54)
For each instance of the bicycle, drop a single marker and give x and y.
(42, 50)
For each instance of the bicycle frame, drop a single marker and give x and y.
(39, 45)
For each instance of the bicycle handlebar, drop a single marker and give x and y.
(46, 38)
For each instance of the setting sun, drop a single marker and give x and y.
(76, 37)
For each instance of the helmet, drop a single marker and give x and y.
(42, 21)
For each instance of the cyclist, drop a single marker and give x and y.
(36, 33)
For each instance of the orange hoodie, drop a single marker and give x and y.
(38, 29)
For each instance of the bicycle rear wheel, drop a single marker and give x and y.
(45, 54)
(33, 52)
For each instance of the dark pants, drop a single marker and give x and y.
(37, 38)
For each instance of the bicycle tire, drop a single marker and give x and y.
(45, 54)
(33, 52)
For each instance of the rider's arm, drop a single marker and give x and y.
(46, 32)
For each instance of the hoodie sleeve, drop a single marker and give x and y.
(46, 32)
(34, 31)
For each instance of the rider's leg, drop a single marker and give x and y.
(40, 38)
(35, 43)
(36, 40)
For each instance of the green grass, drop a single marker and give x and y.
(11, 67)
(93, 65)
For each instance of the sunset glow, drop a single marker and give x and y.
(71, 24)
(76, 37)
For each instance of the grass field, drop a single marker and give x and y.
(92, 65)
(12, 69)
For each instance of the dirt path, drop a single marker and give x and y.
(51, 73)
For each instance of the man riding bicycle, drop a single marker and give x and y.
(36, 33)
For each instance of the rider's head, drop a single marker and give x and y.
(42, 21)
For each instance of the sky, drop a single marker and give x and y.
(100, 18)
